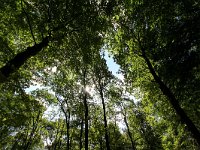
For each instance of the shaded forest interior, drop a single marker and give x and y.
(58, 93)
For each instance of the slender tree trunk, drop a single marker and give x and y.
(67, 121)
(86, 122)
(86, 111)
(68, 128)
(15, 63)
(114, 131)
(67, 125)
(172, 99)
(81, 134)
(105, 120)
(129, 132)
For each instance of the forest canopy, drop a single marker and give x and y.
(58, 92)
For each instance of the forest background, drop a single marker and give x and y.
(63, 46)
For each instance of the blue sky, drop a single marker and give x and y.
(113, 66)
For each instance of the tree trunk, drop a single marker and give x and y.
(67, 120)
(86, 111)
(129, 132)
(114, 131)
(173, 101)
(81, 134)
(86, 122)
(105, 120)
(68, 128)
(16, 62)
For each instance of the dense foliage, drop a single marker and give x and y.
(57, 91)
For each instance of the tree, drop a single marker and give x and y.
(101, 79)
(146, 33)
(57, 91)
(48, 23)
(20, 121)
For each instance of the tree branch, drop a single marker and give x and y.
(16, 62)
